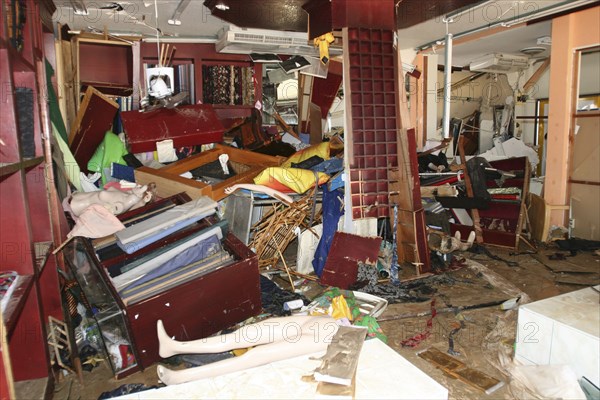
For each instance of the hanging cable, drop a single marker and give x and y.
(157, 32)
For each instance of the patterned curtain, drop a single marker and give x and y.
(228, 84)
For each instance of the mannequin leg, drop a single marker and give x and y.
(307, 343)
(267, 331)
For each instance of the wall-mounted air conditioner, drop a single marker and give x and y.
(499, 63)
(245, 41)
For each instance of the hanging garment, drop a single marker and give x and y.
(332, 211)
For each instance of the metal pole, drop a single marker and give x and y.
(447, 84)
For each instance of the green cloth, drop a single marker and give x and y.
(373, 328)
(70, 165)
(55, 115)
(111, 150)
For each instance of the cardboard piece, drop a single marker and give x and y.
(186, 125)
(94, 118)
(339, 364)
(315, 126)
(169, 182)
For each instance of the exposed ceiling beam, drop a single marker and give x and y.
(536, 75)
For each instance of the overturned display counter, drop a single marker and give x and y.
(195, 308)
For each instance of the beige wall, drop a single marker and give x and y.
(569, 32)
(589, 84)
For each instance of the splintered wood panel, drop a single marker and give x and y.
(94, 117)
(325, 90)
(187, 125)
(370, 93)
(346, 251)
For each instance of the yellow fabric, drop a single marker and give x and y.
(296, 179)
(340, 309)
(323, 43)
(320, 150)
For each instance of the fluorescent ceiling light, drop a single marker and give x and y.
(79, 7)
(222, 7)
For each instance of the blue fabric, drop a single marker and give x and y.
(330, 166)
(177, 277)
(125, 172)
(332, 211)
(134, 246)
(195, 253)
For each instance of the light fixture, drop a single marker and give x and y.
(545, 40)
(533, 50)
(175, 19)
(79, 7)
(222, 7)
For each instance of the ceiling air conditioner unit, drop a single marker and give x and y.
(245, 41)
(499, 63)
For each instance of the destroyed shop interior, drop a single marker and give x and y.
(299, 199)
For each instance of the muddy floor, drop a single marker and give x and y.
(487, 334)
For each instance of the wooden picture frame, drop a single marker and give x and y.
(170, 182)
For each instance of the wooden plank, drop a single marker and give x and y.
(169, 185)
(440, 191)
(459, 370)
(581, 280)
(523, 209)
(70, 91)
(284, 125)
(186, 125)
(348, 133)
(304, 91)
(169, 182)
(60, 80)
(531, 82)
(94, 118)
(315, 127)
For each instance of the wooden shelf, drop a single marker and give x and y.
(11, 168)
(16, 303)
(30, 211)
(19, 63)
